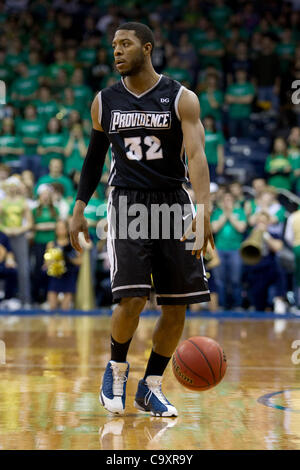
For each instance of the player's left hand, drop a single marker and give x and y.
(207, 236)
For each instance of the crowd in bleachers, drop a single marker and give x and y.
(240, 58)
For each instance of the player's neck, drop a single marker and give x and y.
(142, 81)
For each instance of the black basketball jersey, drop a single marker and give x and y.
(145, 135)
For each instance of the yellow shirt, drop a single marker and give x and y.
(12, 213)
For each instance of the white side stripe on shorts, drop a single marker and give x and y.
(133, 286)
(184, 295)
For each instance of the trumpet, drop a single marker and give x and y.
(251, 248)
(211, 257)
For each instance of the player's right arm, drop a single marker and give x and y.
(89, 178)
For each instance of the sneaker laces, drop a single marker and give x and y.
(119, 378)
(155, 388)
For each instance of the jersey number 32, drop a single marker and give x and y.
(134, 149)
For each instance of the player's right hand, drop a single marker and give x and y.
(78, 224)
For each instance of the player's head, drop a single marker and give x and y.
(133, 44)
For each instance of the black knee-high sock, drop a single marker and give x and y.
(156, 364)
(119, 350)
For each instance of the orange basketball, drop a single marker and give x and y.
(199, 363)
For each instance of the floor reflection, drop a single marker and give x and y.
(50, 383)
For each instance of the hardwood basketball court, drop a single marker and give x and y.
(50, 382)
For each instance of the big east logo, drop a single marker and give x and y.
(136, 119)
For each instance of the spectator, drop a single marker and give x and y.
(68, 104)
(82, 93)
(211, 100)
(177, 71)
(27, 178)
(258, 185)
(59, 201)
(45, 216)
(159, 53)
(75, 150)
(214, 148)
(294, 158)
(266, 273)
(236, 190)
(278, 167)
(285, 50)
(65, 284)
(16, 221)
(46, 106)
(36, 68)
(100, 70)
(6, 73)
(51, 144)
(24, 88)
(228, 225)
(56, 176)
(212, 50)
(292, 237)
(239, 97)
(8, 271)
(30, 128)
(11, 146)
(268, 202)
(266, 73)
(239, 61)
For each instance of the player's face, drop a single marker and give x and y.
(128, 52)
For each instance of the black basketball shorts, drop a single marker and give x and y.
(143, 240)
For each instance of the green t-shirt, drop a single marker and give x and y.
(10, 141)
(52, 140)
(44, 236)
(13, 60)
(207, 109)
(83, 95)
(220, 16)
(53, 70)
(285, 53)
(94, 207)
(75, 160)
(181, 75)
(212, 141)
(211, 45)
(237, 110)
(197, 37)
(46, 110)
(6, 74)
(278, 163)
(65, 110)
(294, 159)
(64, 180)
(228, 238)
(87, 56)
(37, 70)
(31, 129)
(25, 86)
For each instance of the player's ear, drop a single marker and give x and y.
(148, 48)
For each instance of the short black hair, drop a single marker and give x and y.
(142, 31)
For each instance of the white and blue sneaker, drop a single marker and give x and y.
(149, 397)
(113, 389)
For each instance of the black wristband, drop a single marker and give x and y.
(93, 165)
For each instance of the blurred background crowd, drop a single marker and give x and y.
(241, 58)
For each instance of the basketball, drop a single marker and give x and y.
(199, 363)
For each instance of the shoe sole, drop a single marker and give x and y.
(121, 412)
(141, 407)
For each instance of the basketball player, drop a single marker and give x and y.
(148, 119)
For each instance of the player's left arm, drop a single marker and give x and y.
(194, 139)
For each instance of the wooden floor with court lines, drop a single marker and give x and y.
(49, 388)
